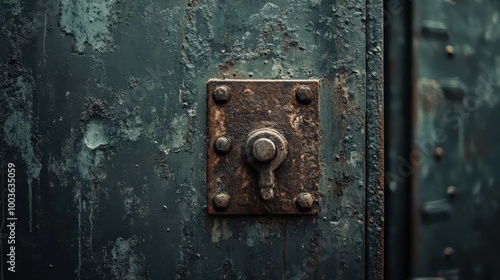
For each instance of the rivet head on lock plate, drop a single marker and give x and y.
(222, 94)
(222, 145)
(305, 200)
(304, 94)
(222, 200)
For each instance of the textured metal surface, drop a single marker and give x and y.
(456, 153)
(103, 113)
(257, 105)
(374, 141)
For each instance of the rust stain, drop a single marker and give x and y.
(430, 93)
(345, 101)
(348, 110)
(256, 104)
(379, 192)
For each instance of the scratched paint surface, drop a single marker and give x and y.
(457, 196)
(103, 112)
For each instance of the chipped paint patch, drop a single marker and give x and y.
(88, 21)
(259, 232)
(133, 129)
(14, 5)
(136, 207)
(97, 134)
(17, 129)
(124, 262)
(252, 236)
(220, 230)
(315, 3)
(355, 158)
(88, 162)
(177, 133)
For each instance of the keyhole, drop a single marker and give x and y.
(265, 151)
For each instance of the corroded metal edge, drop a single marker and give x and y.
(374, 141)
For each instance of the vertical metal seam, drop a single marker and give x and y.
(374, 196)
(398, 238)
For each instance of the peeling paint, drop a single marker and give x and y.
(256, 233)
(97, 134)
(178, 132)
(15, 6)
(89, 23)
(124, 262)
(18, 135)
(220, 230)
(87, 162)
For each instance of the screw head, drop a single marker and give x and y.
(448, 251)
(222, 145)
(222, 200)
(438, 153)
(221, 94)
(304, 94)
(304, 200)
(264, 150)
(450, 50)
(451, 191)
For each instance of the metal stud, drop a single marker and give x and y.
(222, 145)
(304, 200)
(222, 94)
(222, 200)
(304, 94)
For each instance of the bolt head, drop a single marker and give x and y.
(222, 145)
(451, 191)
(450, 50)
(222, 200)
(221, 94)
(264, 150)
(448, 251)
(438, 152)
(304, 94)
(304, 200)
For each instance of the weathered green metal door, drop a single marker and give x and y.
(104, 130)
(442, 150)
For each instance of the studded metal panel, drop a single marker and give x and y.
(255, 105)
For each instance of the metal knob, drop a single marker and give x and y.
(265, 151)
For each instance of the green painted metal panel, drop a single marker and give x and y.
(103, 114)
(456, 109)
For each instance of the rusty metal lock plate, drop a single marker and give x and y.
(263, 146)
